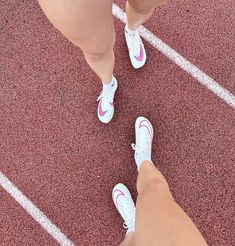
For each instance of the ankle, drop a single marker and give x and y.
(129, 233)
(145, 162)
(142, 158)
(129, 239)
(130, 31)
(109, 86)
(107, 81)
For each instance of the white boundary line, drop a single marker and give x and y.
(186, 65)
(37, 214)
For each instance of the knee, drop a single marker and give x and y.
(145, 8)
(98, 52)
(141, 7)
(99, 55)
(156, 185)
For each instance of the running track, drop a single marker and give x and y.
(57, 153)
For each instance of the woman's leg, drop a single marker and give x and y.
(159, 220)
(88, 24)
(138, 11)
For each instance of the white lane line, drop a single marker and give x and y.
(186, 65)
(37, 214)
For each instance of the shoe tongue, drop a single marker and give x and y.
(136, 44)
(105, 103)
(142, 145)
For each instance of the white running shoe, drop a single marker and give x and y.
(143, 140)
(105, 108)
(125, 206)
(136, 49)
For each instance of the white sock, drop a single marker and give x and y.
(109, 86)
(129, 31)
(140, 157)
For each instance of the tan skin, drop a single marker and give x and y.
(159, 219)
(88, 24)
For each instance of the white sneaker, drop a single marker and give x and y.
(105, 108)
(136, 49)
(125, 206)
(143, 139)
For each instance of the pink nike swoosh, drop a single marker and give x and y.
(120, 194)
(148, 128)
(101, 112)
(141, 55)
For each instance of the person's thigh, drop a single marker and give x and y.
(86, 23)
(160, 221)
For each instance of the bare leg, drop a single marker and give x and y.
(138, 11)
(88, 24)
(159, 219)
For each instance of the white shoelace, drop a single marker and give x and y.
(128, 215)
(106, 98)
(143, 147)
(130, 223)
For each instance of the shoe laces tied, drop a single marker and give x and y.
(128, 224)
(125, 225)
(143, 147)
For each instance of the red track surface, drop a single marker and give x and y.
(54, 149)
